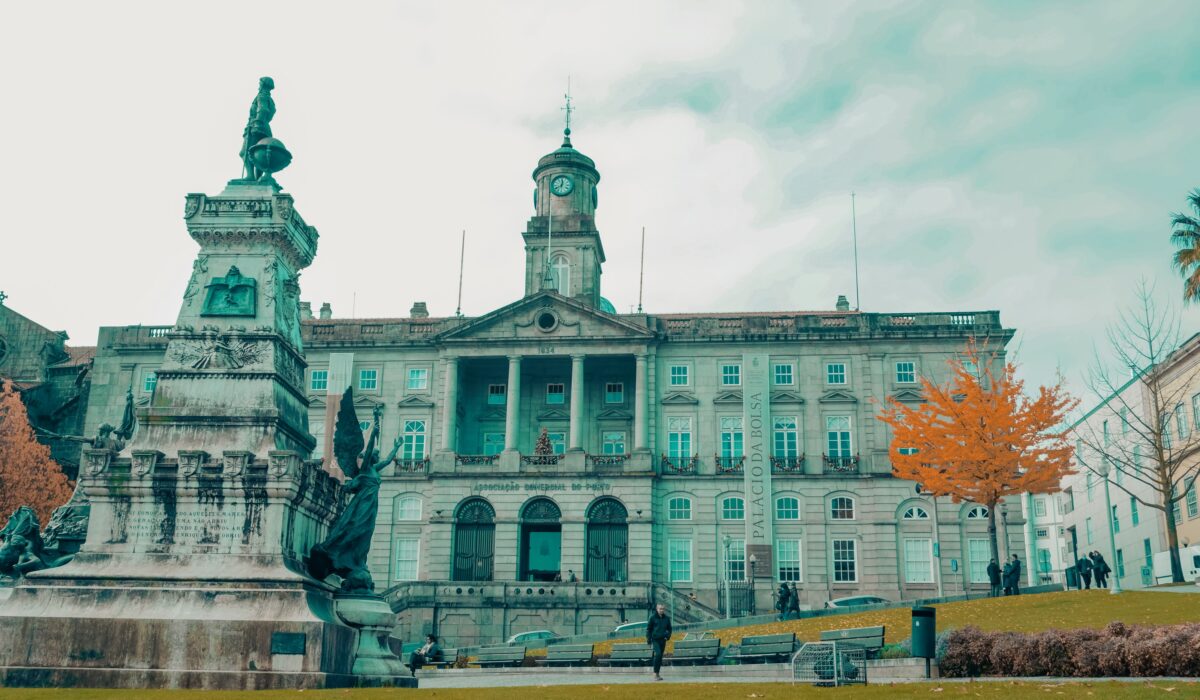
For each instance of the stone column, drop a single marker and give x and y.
(577, 403)
(450, 409)
(641, 407)
(513, 409)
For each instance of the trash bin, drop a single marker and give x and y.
(924, 632)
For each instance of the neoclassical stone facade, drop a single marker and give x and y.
(691, 453)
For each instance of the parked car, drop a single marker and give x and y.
(855, 601)
(523, 637)
(631, 628)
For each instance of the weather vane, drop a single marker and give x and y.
(568, 108)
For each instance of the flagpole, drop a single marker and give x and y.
(642, 271)
(462, 253)
(854, 227)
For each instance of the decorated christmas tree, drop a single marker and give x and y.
(543, 446)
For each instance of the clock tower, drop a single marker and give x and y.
(562, 246)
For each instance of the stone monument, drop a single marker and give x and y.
(192, 573)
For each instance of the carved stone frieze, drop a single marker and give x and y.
(191, 461)
(199, 270)
(239, 207)
(236, 462)
(218, 352)
(144, 461)
(97, 460)
(192, 205)
(280, 463)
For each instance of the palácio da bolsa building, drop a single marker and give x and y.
(698, 453)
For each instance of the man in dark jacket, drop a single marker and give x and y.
(1100, 569)
(1084, 566)
(428, 653)
(793, 612)
(1006, 578)
(658, 631)
(781, 603)
(993, 572)
(1016, 575)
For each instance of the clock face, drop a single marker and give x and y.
(562, 185)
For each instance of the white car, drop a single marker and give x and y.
(854, 601)
(631, 628)
(522, 637)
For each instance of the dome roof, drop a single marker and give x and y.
(566, 155)
(607, 306)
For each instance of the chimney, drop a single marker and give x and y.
(419, 310)
(306, 311)
(843, 304)
(326, 311)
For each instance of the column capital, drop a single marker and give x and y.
(578, 357)
(515, 359)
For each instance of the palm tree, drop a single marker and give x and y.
(1186, 236)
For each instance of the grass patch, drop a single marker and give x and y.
(1025, 613)
(691, 691)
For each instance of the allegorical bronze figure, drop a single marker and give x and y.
(262, 111)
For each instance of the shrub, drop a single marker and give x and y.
(1117, 650)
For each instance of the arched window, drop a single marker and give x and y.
(408, 507)
(787, 508)
(607, 541)
(977, 513)
(541, 540)
(916, 513)
(474, 540)
(841, 508)
(733, 508)
(679, 508)
(560, 273)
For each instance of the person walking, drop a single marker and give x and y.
(1016, 575)
(430, 651)
(793, 612)
(1084, 565)
(1006, 578)
(781, 600)
(658, 631)
(1101, 569)
(993, 572)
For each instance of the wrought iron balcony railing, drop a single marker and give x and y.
(788, 465)
(475, 460)
(729, 465)
(607, 460)
(540, 460)
(841, 464)
(411, 466)
(680, 465)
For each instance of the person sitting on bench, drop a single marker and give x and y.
(426, 654)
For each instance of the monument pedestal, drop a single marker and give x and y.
(374, 662)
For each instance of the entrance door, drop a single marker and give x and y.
(607, 541)
(474, 541)
(541, 541)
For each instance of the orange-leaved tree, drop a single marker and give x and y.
(979, 437)
(28, 477)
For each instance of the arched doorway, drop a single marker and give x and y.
(474, 540)
(541, 540)
(607, 541)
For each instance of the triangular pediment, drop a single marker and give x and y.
(316, 400)
(679, 398)
(492, 413)
(780, 397)
(546, 316)
(908, 396)
(728, 397)
(614, 414)
(361, 401)
(837, 396)
(414, 402)
(554, 414)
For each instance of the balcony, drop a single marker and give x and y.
(411, 467)
(680, 465)
(840, 464)
(602, 461)
(475, 460)
(731, 466)
(788, 465)
(540, 460)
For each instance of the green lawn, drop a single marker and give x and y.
(691, 691)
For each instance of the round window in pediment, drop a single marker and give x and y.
(546, 321)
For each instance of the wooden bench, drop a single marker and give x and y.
(500, 656)
(630, 655)
(695, 651)
(449, 659)
(767, 647)
(870, 639)
(568, 654)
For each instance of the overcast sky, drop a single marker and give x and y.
(1015, 156)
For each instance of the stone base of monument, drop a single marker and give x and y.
(374, 661)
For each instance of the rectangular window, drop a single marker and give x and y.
(1116, 521)
(414, 440)
(918, 561)
(1193, 508)
(418, 379)
(845, 561)
(558, 442)
(906, 372)
(149, 381)
(979, 553)
(497, 394)
(493, 443)
(679, 561)
(1165, 425)
(614, 443)
(555, 394)
(731, 436)
(837, 433)
(731, 375)
(679, 508)
(1133, 511)
(787, 560)
(1148, 550)
(1039, 507)
(1181, 423)
(1087, 528)
(835, 373)
(1042, 533)
(368, 379)
(1104, 432)
(680, 375)
(679, 437)
(1090, 483)
(1176, 511)
(614, 392)
(1118, 469)
(318, 379)
(784, 374)
(1120, 563)
(408, 551)
(317, 429)
(1196, 409)
(735, 560)
(1124, 421)
(787, 436)
(1137, 459)
(733, 508)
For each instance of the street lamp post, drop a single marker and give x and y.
(1112, 538)
(728, 602)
